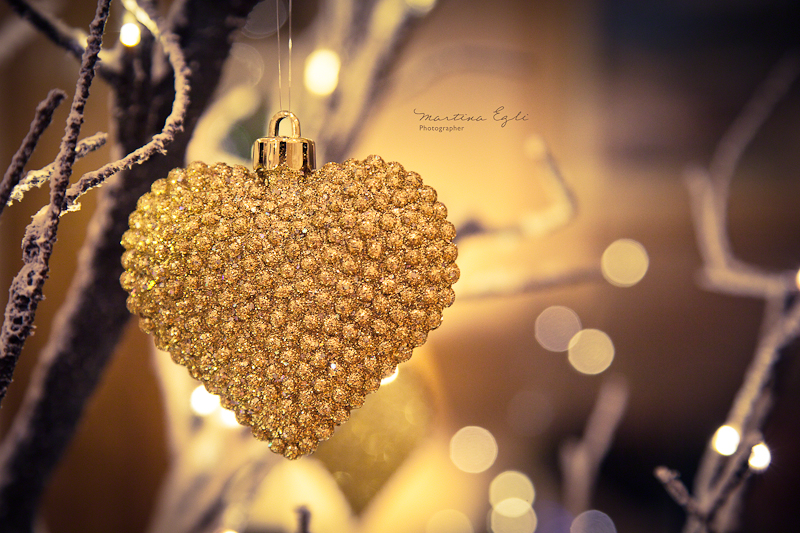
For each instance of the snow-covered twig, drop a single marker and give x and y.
(90, 322)
(40, 236)
(172, 125)
(720, 480)
(41, 119)
(36, 178)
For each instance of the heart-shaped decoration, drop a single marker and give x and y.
(289, 293)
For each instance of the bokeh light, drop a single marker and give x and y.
(391, 377)
(725, 440)
(592, 522)
(624, 263)
(555, 326)
(322, 71)
(511, 493)
(420, 6)
(591, 351)
(228, 418)
(203, 402)
(760, 457)
(449, 521)
(473, 449)
(130, 34)
(524, 523)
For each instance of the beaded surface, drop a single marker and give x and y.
(290, 296)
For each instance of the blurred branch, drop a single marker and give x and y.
(41, 119)
(720, 481)
(580, 460)
(207, 488)
(70, 39)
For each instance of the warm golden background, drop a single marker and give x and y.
(625, 94)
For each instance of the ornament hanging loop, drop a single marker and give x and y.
(295, 152)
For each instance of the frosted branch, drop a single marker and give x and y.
(41, 119)
(90, 322)
(720, 481)
(36, 178)
(26, 288)
(158, 143)
(580, 461)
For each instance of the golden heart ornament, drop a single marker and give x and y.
(290, 292)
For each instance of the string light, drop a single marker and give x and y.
(726, 440)
(760, 457)
(511, 493)
(130, 34)
(391, 377)
(228, 418)
(524, 523)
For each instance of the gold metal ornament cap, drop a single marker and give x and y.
(295, 152)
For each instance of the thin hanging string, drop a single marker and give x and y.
(290, 55)
(280, 74)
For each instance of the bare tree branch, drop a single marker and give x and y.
(172, 125)
(42, 119)
(675, 487)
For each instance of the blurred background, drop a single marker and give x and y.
(624, 95)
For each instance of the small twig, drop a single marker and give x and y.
(26, 288)
(42, 119)
(758, 109)
(675, 487)
(580, 461)
(722, 271)
(36, 178)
